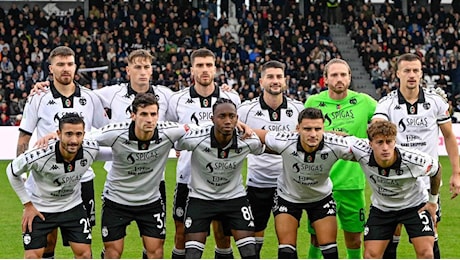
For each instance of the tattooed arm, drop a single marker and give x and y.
(23, 142)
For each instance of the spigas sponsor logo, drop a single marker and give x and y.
(338, 115)
(147, 156)
(220, 166)
(404, 123)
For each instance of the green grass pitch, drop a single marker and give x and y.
(11, 239)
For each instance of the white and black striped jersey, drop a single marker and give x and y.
(55, 186)
(418, 124)
(264, 169)
(138, 166)
(216, 173)
(305, 176)
(188, 107)
(43, 111)
(118, 99)
(398, 186)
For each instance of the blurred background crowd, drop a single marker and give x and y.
(243, 39)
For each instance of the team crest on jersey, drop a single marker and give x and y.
(426, 105)
(188, 222)
(180, 212)
(68, 102)
(289, 112)
(324, 156)
(238, 150)
(83, 162)
(399, 172)
(83, 101)
(26, 239)
(384, 172)
(105, 231)
(353, 101)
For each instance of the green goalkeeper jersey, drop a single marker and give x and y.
(350, 115)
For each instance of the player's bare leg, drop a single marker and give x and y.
(223, 248)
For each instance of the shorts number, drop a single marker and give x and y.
(93, 206)
(86, 225)
(159, 220)
(247, 213)
(424, 218)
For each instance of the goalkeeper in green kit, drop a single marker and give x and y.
(349, 112)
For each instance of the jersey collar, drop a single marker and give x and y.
(133, 137)
(194, 94)
(421, 97)
(309, 157)
(396, 165)
(131, 91)
(264, 105)
(56, 93)
(233, 143)
(60, 159)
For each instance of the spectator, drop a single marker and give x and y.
(6, 65)
(5, 120)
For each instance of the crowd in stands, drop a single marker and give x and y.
(266, 30)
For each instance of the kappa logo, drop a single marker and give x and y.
(330, 212)
(259, 113)
(163, 232)
(295, 154)
(51, 102)
(189, 101)
(54, 167)
(127, 142)
(427, 228)
(207, 150)
(251, 224)
(283, 209)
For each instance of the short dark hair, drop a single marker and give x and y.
(71, 118)
(142, 100)
(203, 53)
(222, 101)
(310, 113)
(407, 57)
(272, 64)
(63, 51)
(381, 127)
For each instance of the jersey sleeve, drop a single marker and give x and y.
(105, 95)
(100, 118)
(274, 143)
(175, 131)
(256, 145)
(171, 113)
(103, 136)
(381, 110)
(30, 115)
(163, 95)
(14, 170)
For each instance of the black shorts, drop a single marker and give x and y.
(315, 210)
(180, 201)
(73, 223)
(150, 220)
(87, 195)
(235, 213)
(261, 201)
(381, 225)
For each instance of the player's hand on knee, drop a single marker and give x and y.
(30, 212)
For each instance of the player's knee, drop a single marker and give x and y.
(353, 241)
(287, 252)
(372, 254)
(112, 253)
(247, 247)
(155, 254)
(425, 253)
